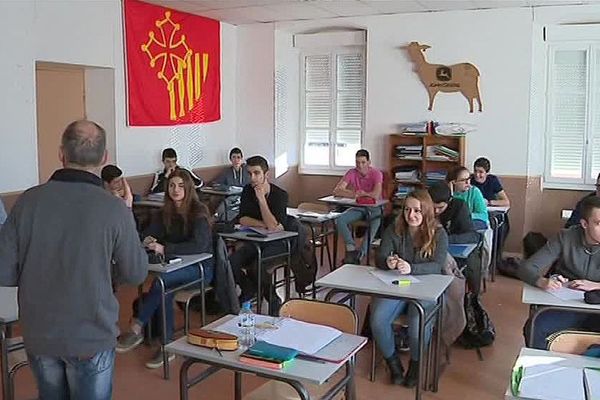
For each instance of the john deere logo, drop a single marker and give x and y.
(443, 74)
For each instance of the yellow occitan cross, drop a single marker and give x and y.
(179, 67)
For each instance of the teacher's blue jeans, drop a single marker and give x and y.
(64, 378)
(385, 311)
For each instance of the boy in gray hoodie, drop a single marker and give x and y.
(573, 259)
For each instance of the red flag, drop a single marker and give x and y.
(173, 66)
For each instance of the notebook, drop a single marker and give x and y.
(266, 355)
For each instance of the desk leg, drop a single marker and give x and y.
(6, 389)
(369, 234)
(163, 338)
(420, 381)
(203, 300)
(299, 388)
(350, 386)
(286, 271)
(259, 276)
(438, 343)
(185, 383)
(238, 385)
(335, 246)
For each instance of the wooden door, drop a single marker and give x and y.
(60, 100)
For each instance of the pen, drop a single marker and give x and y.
(218, 351)
(309, 358)
(401, 282)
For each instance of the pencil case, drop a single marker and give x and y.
(212, 339)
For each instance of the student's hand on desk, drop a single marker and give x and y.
(360, 193)
(392, 261)
(157, 248)
(404, 267)
(549, 283)
(584, 285)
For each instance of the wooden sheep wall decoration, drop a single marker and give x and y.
(463, 77)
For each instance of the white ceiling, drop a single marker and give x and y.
(238, 12)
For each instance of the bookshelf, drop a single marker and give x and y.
(431, 155)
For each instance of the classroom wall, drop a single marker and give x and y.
(255, 90)
(395, 94)
(89, 33)
(506, 46)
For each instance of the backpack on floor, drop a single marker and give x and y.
(509, 267)
(479, 331)
(532, 242)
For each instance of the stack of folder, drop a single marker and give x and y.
(441, 153)
(409, 152)
(266, 355)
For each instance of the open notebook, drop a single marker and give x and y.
(302, 336)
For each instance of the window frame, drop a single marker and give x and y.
(332, 52)
(592, 49)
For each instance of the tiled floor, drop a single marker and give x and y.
(465, 378)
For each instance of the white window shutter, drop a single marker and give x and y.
(568, 114)
(350, 106)
(595, 118)
(317, 109)
(333, 107)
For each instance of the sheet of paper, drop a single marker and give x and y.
(564, 293)
(592, 383)
(388, 276)
(552, 382)
(304, 337)
(310, 214)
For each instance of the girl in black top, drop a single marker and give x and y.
(181, 228)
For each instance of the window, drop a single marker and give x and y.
(332, 108)
(573, 114)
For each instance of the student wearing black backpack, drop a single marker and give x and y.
(574, 255)
(415, 244)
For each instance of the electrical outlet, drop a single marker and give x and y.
(566, 214)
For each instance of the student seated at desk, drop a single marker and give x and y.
(415, 244)
(263, 205)
(453, 214)
(488, 184)
(183, 227)
(574, 258)
(362, 181)
(169, 160)
(114, 182)
(576, 214)
(236, 175)
(459, 180)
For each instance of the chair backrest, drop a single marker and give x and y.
(338, 316)
(573, 342)
(314, 207)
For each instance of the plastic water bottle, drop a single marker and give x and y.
(247, 322)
